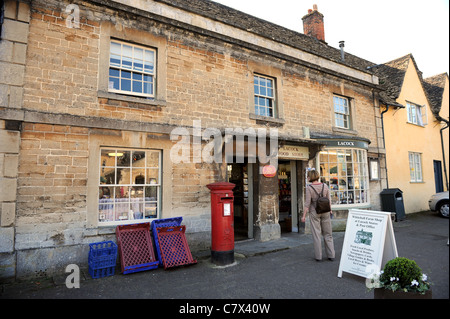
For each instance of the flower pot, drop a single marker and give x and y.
(381, 293)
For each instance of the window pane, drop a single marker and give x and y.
(114, 60)
(148, 67)
(125, 85)
(138, 176)
(127, 63)
(262, 90)
(127, 50)
(150, 209)
(115, 48)
(151, 193)
(152, 176)
(138, 65)
(108, 175)
(148, 88)
(126, 74)
(114, 83)
(114, 72)
(153, 159)
(138, 53)
(149, 56)
(137, 87)
(123, 158)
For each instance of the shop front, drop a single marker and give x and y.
(343, 165)
(269, 204)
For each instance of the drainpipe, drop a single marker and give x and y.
(384, 144)
(443, 153)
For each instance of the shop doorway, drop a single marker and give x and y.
(287, 196)
(238, 174)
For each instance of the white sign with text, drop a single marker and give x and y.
(369, 243)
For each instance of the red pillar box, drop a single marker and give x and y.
(222, 223)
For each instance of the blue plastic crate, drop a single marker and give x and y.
(101, 272)
(158, 223)
(102, 259)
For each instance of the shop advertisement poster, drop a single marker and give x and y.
(369, 243)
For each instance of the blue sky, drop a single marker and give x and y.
(379, 31)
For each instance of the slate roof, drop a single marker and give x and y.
(434, 87)
(244, 21)
(392, 75)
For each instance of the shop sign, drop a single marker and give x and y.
(346, 143)
(369, 243)
(293, 152)
(269, 171)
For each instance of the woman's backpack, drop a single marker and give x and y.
(323, 204)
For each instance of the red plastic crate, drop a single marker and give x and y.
(135, 248)
(174, 247)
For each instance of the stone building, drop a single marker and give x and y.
(97, 98)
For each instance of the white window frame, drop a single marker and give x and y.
(415, 167)
(133, 69)
(260, 95)
(341, 193)
(342, 112)
(108, 202)
(416, 114)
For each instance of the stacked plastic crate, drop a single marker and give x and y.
(102, 259)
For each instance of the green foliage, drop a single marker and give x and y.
(401, 274)
(404, 269)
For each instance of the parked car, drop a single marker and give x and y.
(439, 202)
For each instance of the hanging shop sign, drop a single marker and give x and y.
(369, 243)
(269, 171)
(293, 152)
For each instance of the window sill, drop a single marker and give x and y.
(344, 130)
(267, 119)
(418, 125)
(130, 98)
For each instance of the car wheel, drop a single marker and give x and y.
(443, 209)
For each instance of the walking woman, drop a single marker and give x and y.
(320, 223)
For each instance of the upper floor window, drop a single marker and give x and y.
(416, 114)
(132, 69)
(341, 112)
(264, 96)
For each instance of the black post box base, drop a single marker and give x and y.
(222, 258)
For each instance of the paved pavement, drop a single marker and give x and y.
(277, 270)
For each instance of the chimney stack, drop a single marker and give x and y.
(313, 24)
(342, 45)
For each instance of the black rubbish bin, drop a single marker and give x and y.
(392, 201)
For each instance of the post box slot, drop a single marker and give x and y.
(227, 198)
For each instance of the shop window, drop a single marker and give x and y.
(132, 69)
(415, 167)
(346, 173)
(130, 185)
(264, 89)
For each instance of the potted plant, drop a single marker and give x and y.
(401, 278)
